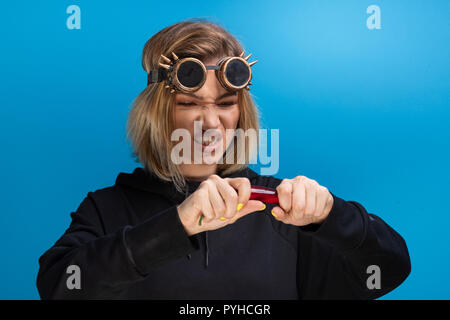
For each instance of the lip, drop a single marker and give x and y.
(209, 147)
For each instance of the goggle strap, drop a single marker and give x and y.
(155, 76)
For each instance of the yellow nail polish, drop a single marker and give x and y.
(223, 218)
(264, 208)
(239, 206)
(273, 214)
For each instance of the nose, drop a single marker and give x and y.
(210, 117)
(209, 90)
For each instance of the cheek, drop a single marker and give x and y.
(231, 118)
(183, 119)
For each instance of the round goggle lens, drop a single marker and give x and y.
(190, 74)
(237, 73)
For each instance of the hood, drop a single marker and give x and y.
(143, 179)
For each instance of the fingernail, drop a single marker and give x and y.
(263, 208)
(223, 218)
(273, 214)
(239, 206)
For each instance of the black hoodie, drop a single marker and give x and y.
(129, 243)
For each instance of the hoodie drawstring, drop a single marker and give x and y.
(206, 249)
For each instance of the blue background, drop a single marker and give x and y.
(363, 112)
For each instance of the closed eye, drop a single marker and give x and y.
(227, 103)
(186, 103)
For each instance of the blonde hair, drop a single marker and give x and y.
(150, 121)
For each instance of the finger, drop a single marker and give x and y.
(229, 195)
(206, 207)
(217, 202)
(321, 201)
(284, 192)
(250, 206)
(279, 214)
(310, 200)
(243, 187)
(298, 200)
(330, 202)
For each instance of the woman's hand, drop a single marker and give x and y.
(221, 201)
(302, 201)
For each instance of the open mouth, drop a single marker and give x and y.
(209, 139)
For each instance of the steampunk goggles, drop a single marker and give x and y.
(189, 74)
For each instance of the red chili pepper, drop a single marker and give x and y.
(264, 194)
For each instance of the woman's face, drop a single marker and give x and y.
(215, 107)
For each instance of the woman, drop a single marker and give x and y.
(183, 230)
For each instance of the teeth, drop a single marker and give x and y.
(202, 142)
(206, 141)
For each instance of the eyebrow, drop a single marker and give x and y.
(227, 94)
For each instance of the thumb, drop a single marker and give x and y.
(279, 214)
(251, 206)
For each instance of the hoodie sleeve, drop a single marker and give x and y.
(351, 255)
(108, 263)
